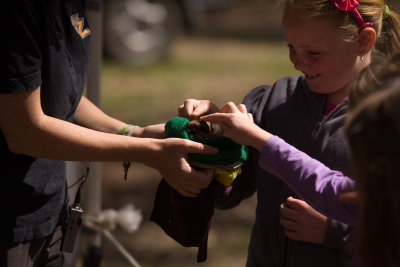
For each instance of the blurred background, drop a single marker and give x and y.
(156, 55)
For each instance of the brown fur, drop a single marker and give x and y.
(203, 129)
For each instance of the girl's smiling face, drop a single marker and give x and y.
(317, 49)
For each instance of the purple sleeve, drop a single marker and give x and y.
(318, 185)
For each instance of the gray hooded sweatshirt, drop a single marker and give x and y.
(290, 110)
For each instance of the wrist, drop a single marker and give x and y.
(133, 131)
(151, 150)
(123, 129)
(127, 129)
(260, 139)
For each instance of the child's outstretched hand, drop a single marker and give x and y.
(239, 125)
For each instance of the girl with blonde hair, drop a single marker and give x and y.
(330, 42)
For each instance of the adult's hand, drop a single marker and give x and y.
(302, 222)
(172, 163)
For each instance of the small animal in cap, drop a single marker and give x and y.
(203, 129)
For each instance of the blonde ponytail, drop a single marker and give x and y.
(388, 42)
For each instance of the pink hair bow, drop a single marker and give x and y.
(351, 6)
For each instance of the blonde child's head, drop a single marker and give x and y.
(330, 46)
(385, 22)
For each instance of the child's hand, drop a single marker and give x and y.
(349, 197)
(193, 109)
(239, 125)
(302, 222)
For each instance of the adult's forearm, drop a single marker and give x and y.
(57, 139)
(90, 116)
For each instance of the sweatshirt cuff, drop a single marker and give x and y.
(336, 234)
(268, 150)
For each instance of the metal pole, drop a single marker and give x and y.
(95, 17)
(92, 198)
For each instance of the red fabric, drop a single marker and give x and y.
(350, 6)
(187, 220)
(345, 5)
(329, 107)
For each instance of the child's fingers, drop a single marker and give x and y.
(288, 212)
(294, 203)
(186, 109)
(242, 108)
(229, 107)
(203, 107)
(287, 223)
(216, 117)
(294, 235)
(199, 110)
(349, 197)
(192, 108)
(250, 116)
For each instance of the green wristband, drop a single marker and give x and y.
(122, 130)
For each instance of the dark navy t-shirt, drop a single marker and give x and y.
(45, 43)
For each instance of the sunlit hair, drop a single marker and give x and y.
(373, 76)
(373, 130)
(387, 28)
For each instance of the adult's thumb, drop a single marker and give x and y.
(196, 147)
